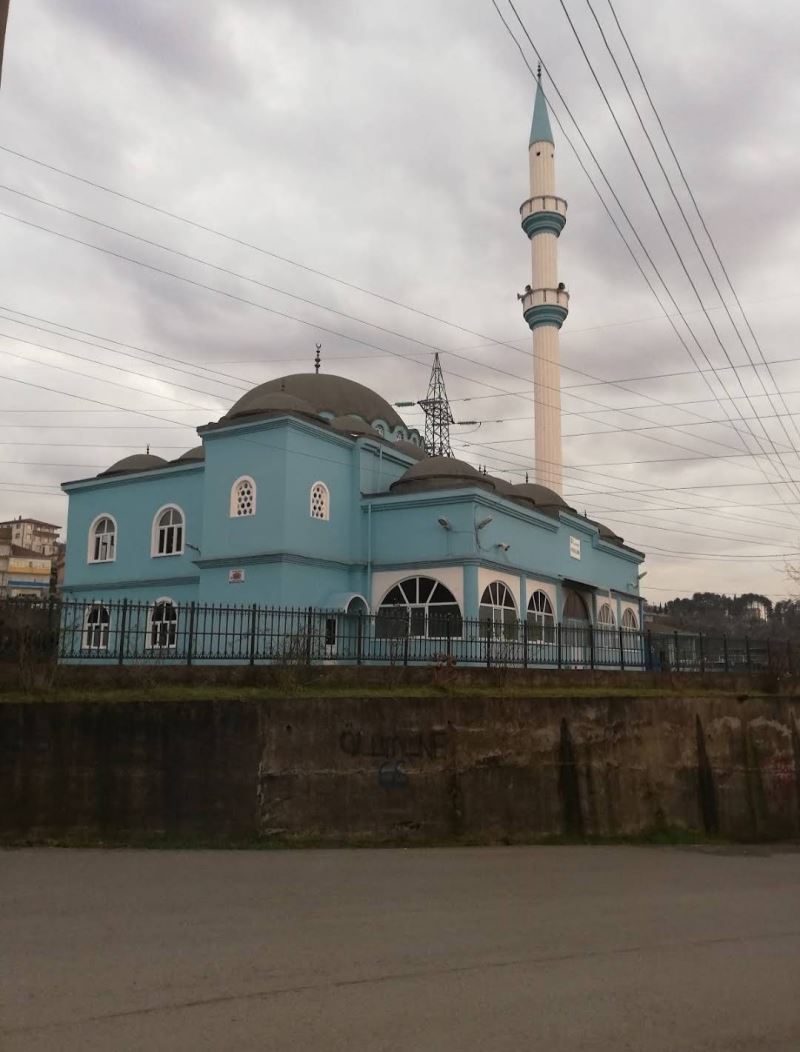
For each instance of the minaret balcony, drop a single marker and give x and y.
(543, 213)
(545, 307)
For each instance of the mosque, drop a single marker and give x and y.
(312, 492)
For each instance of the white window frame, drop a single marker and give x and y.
(164, 599)
(498, 609)
(427, 606)
(90, 552)
(234, 503)
(630, 614)
(542, 619)
(155, 530)
(611, 620)
(96, 628)
(325, 517)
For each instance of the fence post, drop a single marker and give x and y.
(123, 617)
(648, 642)
(253, 610)
(621, 650)
(448, 630)
(309, 627)
(558, 642)
(769, 657)
(677, 652)
(591, 646)
(488, 644)
(725, 651)
(702, 652)
(359, 636)
(525, 643)
(789, 662)
(190, 634)
(747, 652)
(405, 646)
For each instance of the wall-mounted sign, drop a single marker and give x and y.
(235, 576)
(575, 547)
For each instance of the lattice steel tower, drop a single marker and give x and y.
(438, 417)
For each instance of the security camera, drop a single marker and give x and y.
(444, 523)
(503, 546)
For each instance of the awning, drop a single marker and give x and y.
(342, 600)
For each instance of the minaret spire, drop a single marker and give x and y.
(438, 416)
(545, 302)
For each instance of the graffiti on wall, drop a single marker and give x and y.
(395, 750)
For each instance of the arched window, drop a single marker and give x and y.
(629, 619)
(418, 606)
(243, 497)
(168, 531)
(575, 611)
(606, 617)
(320, 502)
(497, 608)
(541, 620)
(103, 540)
(163, 625)
(95, 628)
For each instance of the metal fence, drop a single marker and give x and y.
(125, 632)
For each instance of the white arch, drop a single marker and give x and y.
(606, 616)
(176, 545)
(112, 547)
(319, 502)
(629, 618)
(168, 640)
(96, 628)
(241, 508)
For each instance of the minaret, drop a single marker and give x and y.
(545, 301)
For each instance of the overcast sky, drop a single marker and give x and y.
(386, 144)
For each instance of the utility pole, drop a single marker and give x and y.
(438, 416)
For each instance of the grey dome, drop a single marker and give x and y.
(505, 489)
(411, 449)
(195, 453)
(432, 473)
(353, 425)
(135, 462)
(606, 533)
(540, 495)
(322, 393)
(260, 402)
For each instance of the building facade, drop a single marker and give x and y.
(312, 492)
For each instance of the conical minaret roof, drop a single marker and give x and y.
(540, 126)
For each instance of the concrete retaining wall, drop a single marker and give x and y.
(401, 768)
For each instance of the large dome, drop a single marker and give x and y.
(135, 462)
(440, 473)
(324, 393)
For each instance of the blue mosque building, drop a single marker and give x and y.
(311, 493)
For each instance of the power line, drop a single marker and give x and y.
(689, 226)
(618, 202)
(694, 202)
(675, 248)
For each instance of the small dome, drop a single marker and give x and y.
(195, 453)
(351, 424)
(606, 533)
(505, 489)
(260, 402)
(540, 495)
(432, 473)
(135, 462)
(411, 449)
(320, 393)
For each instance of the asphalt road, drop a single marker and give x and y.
(435, 950)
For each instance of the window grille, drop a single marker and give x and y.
(320, 501)
(418, 606)
(243, 498)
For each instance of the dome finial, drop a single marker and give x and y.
(317, 360)
(147, 450)
(539, 73)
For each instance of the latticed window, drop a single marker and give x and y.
(168, 532)
(418, 606)
(243, 498)
(102, 543)
(541, 620)
(95, 635)
(164, 625)
(320, 501)
(498, 611)
(629, 619)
